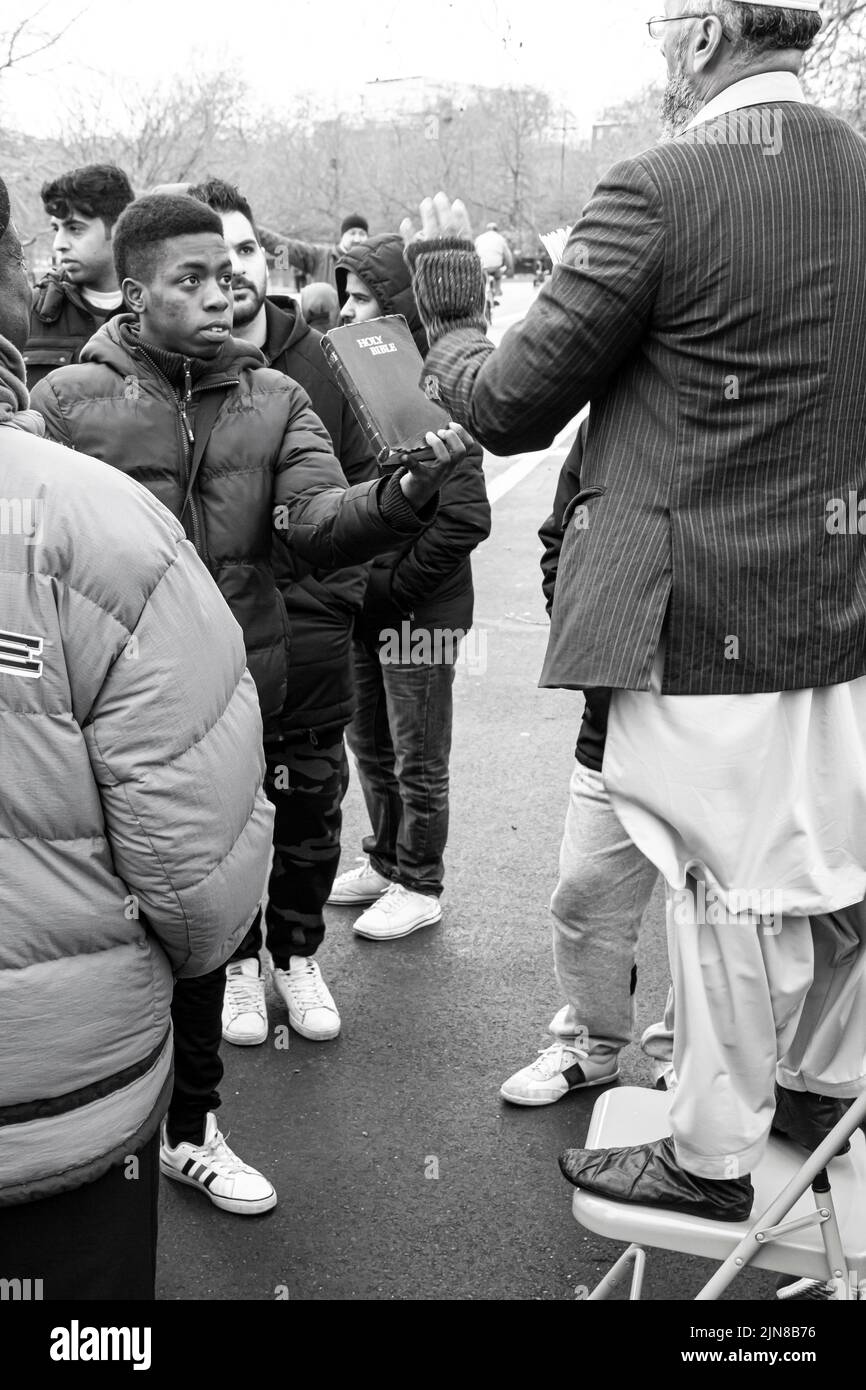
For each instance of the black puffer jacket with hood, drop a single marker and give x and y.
(428, 580)
(268, 467)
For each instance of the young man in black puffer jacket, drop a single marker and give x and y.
(232, 448)
(418, 608)
(307, 769)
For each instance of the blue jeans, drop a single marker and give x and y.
(401, 739)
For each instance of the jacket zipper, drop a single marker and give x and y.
(190, 445)
(199, 529)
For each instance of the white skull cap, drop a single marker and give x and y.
(813, 6)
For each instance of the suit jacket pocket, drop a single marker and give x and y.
(578, 501)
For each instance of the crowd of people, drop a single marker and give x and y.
(196, 599)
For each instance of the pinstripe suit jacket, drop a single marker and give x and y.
(712, 307)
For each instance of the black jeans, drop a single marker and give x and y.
(306, 781)
(196, 1015)
(401, 739)
(95, 1242)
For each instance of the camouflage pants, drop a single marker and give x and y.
(306, 781)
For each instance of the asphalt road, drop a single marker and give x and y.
(400, 1173)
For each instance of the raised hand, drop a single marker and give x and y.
(439, 218)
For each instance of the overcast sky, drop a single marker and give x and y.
(587, 53)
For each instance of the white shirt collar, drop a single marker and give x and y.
(761, 89)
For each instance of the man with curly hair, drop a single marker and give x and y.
(81, 293)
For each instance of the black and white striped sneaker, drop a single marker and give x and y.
(230, 1184)
(556, 1071)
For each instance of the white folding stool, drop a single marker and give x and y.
(823, 1239)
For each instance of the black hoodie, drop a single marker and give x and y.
(321, 607)
(428, 581)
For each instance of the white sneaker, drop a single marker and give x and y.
(561, 1068)
(230, 1184)
(398, 912)
(312, 1011)
(245, 1017)
(359, 886)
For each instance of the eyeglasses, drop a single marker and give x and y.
(656, 31)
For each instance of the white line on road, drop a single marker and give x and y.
(524, 464)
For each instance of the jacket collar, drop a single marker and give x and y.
(174, 366)
(762, 89)
(286, 326)
(118, 345)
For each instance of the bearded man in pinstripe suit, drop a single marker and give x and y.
(712, 307)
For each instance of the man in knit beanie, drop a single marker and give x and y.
(315, 260)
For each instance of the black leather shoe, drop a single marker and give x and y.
(649, 1176)
(807, 1119)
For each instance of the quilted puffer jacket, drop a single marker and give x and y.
(134, 833)
(268, 455)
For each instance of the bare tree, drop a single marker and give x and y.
(164, 134)
(834, 71)
(26, 39)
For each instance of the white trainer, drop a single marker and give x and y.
(312, 1011)
(245, 1016)
(359, 886)
(231, 1185)
(556, 1071)
(398, 913)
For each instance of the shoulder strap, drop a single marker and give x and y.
(205, 419)
(48, 300)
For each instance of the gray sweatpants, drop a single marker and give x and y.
(605, 885)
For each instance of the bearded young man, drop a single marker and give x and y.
(306, 758)
(712, 306)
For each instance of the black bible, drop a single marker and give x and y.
(379, 370)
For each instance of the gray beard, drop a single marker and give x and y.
(679, 105)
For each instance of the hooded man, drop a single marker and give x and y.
(417, 610)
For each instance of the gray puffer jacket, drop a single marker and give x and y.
(134, 834)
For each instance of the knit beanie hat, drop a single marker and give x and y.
(354, 219)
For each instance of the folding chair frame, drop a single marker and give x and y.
(770, 1226)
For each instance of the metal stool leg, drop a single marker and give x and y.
(636, 1255)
